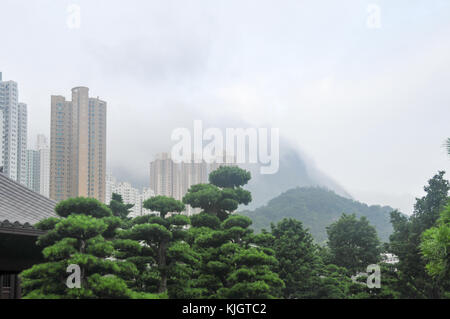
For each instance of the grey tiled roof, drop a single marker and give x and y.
(22, 205)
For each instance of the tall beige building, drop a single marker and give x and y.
(174, 180)
(192, 173)
(78, 146)
(195, 172)
(165, 176)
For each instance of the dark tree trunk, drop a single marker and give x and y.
(162, 263)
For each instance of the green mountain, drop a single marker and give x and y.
(317, 208)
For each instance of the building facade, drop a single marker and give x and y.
(165, 177)
(38, 167)
(1, 139)
(171, 179)
(14, 132)
(22, 139)
(193, 173)
(78, 146)
(130, 195)
(44, 165)
(33, 171)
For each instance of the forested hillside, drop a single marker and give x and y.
(317, 208)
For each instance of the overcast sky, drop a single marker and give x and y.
(370, 106)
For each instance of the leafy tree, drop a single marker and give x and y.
(353, 243)
(164, 205)
(79, 237)
(387, 290)
(435, 248)
(447, 145)
(406, 239)
(234, 263)
(118, 207)
(427, 209)
(298, 260)
(164, 255)
(335, 283)
(218, 201)
(229, 177)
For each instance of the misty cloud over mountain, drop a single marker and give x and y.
(295, 168)
(295, 171)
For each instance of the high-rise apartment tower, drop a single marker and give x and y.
(14, 132)
(78, 146)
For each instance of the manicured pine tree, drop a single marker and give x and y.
(234, 262)
(82, 236)
(163, 257)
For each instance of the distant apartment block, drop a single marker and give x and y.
(22, 139)
(33, 169)
(172, 179)
(38, 167)
(130, 195)
(165, 177)
(44, 165)
(192, 173)
(77, 146)
(1, 140)
(14, 132)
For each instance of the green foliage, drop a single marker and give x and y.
(232, 261)
(118, 207)
(224, 193)
(317, 208)
(353, 243)
(81, 205)
(79, 239)
(47, 224)
(389, 288)
(334, 283)
(205, 220)
(428, 208)
(299, 262)
(164, 205)
(215, 254)
(405, 242)
(229, 177)
(165, 261)
(232, 264)
(435, 248)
